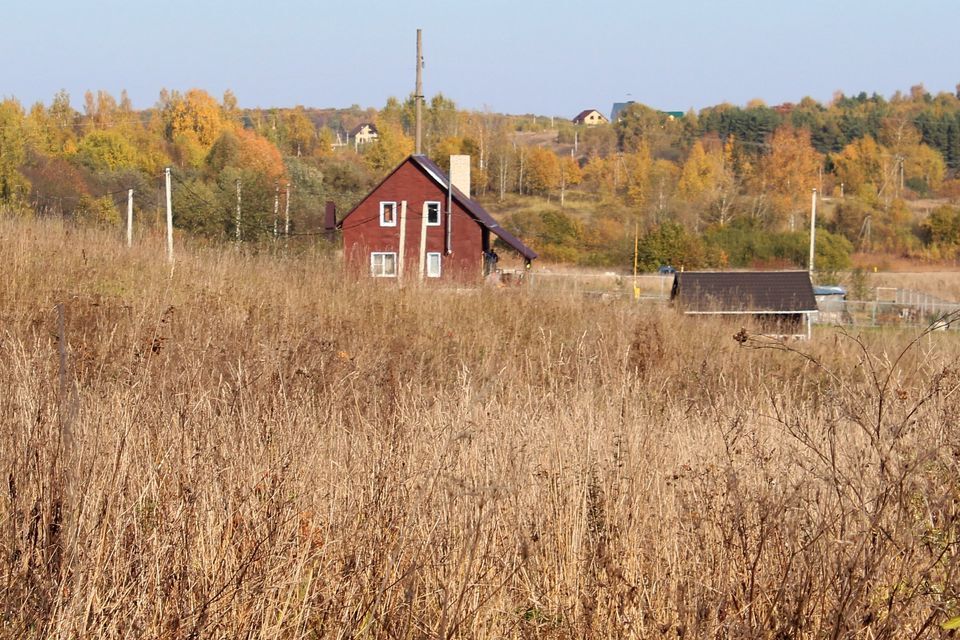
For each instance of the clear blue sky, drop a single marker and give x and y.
(551, 58)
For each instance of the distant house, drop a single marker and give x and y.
(781, 302)
(590, 117)
(420, 224)
(620, 106)
(617, 108)
(363, 133)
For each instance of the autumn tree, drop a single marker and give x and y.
(101, 109)
(244, 155)
(598, 176)
(569, 175)
(636, 169)
(52, 130)
(706, 184)
(194, 122)
(638, 124)
(664, 176)
(301, 135)
(924, 168)
(860, 167)
(389, 149)
(789, 171)
(543, 171)
(14, 187)
(106, 151)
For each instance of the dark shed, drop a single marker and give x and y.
(781, 301)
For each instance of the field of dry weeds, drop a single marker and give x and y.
(250, 446)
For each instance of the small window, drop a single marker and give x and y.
(432, 211)
(433, 265)
(383, 265)
(388, 214)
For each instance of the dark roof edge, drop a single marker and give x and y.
(473, 207)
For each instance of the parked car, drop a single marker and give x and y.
(666, 270)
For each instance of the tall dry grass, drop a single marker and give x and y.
(251, 446)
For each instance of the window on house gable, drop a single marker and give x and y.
(383, 265)
(433, 265)
(388, 214)
(432, 211)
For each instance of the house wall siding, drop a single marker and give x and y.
(362, 233)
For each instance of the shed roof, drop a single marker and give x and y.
(473, 208)
(745, 292)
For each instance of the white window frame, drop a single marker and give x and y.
(374, 255)
(396, 211)
(439, 257)
(426, 210)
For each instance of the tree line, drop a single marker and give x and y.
(726, 186)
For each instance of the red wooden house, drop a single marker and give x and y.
(418, 223)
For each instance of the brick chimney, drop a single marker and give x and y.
(460, 173)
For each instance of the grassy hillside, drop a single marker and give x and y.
(249, 445)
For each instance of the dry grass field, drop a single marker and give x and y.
(250, 446)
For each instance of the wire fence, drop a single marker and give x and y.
(890, 306)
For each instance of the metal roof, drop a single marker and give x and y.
(829, 290)
(472, 206)
(745, 292)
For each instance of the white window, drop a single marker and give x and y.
(432, 211)
(383, 265)
(388, 214)
(433, 265)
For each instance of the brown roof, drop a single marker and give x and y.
(357, 129)
(580, 117)
(749, 292)
(435, 173)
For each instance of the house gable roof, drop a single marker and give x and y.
(472, 207)
(580, 117)
(747, 292)
(357, 129)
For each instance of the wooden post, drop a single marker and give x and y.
(423, 239)
(286, 213)
(238, 211)
(129, 218)
(169, 217)
(418, 94)
(403, 239)
(813, 222)
(276, 208)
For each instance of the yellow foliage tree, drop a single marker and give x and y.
(925, 164)
(543, 170)
(570, 174)
(860, 168)
(789, 171)
(194, 122)
(637, 167)
(598, 176)
(390, 148)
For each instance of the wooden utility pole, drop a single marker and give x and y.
(813, 222)
(418, 94)
(169, 217)
(129, 217)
